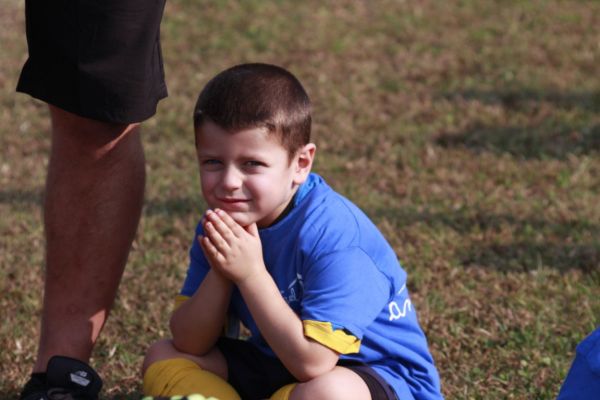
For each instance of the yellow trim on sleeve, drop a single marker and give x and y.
(337, 340)
(179, 300)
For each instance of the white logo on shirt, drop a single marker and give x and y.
(291, 294)
(395, 311)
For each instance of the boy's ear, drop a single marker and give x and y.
(303, 162)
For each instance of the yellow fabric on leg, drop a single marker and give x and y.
(284, 392)
(180, 376)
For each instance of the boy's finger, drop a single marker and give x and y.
(215, 237)
(235, 228)
(252, 229)
(220, 225)
(210, 251)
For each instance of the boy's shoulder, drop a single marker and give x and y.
(323, 206)
(324, 212)
(331, 227)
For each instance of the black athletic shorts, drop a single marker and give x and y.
(254, 375)
(99, 59)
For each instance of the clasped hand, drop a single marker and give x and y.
(232, 250)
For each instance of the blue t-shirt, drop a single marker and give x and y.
(341, 277)
(583, 380)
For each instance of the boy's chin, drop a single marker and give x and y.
(243, 219)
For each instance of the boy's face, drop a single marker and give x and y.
(248, 173)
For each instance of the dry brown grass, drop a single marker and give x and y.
(468, 130)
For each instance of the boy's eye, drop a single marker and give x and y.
(254, 163)
(210, 163)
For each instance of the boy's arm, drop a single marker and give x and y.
(236, 253)
(198, 322)
(283, 330)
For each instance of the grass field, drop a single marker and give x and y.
(468, 130)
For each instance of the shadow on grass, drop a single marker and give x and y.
(10, 394)
(515, 98)
(24, 197)
(556, 249)
(539, 142)
(178, 206)
(549, 137)
(126, 395)
(524, 256)
(465, 221)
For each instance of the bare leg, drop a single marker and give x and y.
(212, 361)
(339, 383)
(92, 206)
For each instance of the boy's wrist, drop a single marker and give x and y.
(255, 279)
(220, 278)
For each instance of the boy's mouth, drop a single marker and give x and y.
(232, 200)
(232, 203)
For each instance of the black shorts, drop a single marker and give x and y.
(254, 375)
(99, 59)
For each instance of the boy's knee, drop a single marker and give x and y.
(160, 374)
(284, 393)
(181, 376)
(158, 351)
(340, 383)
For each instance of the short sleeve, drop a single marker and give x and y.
(345, 289)
(198, 266)
(583, 379)
(590, 349)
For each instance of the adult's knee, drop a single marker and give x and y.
(86, 137)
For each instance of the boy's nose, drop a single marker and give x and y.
(232, 179)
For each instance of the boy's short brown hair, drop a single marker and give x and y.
(249, 96)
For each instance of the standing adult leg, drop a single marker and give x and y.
(93, 201)
(98, 64)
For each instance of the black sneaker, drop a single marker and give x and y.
(35, 386)
(66, 379)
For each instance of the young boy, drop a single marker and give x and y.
(313, 280)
